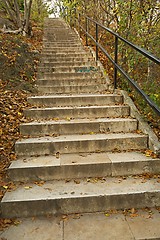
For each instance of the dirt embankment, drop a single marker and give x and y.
(19, 57)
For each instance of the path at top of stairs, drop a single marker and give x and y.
(81, 151)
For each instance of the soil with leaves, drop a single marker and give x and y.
(19, 57)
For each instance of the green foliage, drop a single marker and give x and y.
(21, 5)
(139, 22)
(40, 10)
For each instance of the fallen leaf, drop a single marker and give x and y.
(107, 214)
(133, 210)
(57, 155)
(134, 215)
(40, 184)
(77, 181)
(17, 222)
(148, 153)
(68, 118)
(91, 133)
(27, 187)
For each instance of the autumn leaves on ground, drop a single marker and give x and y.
(19, 57)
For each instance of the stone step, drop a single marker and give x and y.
(67, 51)
(61, 44)
(70, 82)
(84, 165)
(62, 64)
(64, 37)
(65, 58)
(66, 43)
(60, 33)
(63, 48)
(61, 197)
(74, 69)
(61, 41)
(78, 112)
(76, 100)
(140, 225)
(56, 27)
(63, 31)
(82, 126)
(81, 143)
(65, 55)
(70, 75)
(72, 89)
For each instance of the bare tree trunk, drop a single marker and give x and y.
(27, 13)
(10, 11)
(18, 14)
(14, 13)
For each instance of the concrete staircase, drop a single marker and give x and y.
(81, 151)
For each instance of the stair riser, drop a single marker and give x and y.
(65, 55)
(67, 75)
(84, 204)
(52, 44)
(60, 34)
(75, 82)
(64, 52)
(61, 38)
(73, 69)
(78, 113)
(58, 59)
(83, 171)
(62, 48)
(60, 172)
(76, 101)
(61, 42)
(78, 128)
(60, 31)
(57, 35)
(72, 89)
(102, 145)
(66, 64)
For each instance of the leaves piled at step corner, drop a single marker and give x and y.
(18, 63)
(4, 223)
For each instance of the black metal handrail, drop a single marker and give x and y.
(115, 60)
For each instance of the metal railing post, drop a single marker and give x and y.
(96, 42)
(75, 14)
(70, 12)
(67, 15)
(86, 31)
(116, 61)
(79, 23)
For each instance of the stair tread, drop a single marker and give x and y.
(80, 137)
(79, 107)
(84, 189)
(70, 121)
(76, 159)
(74, 96)
(113, 225)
